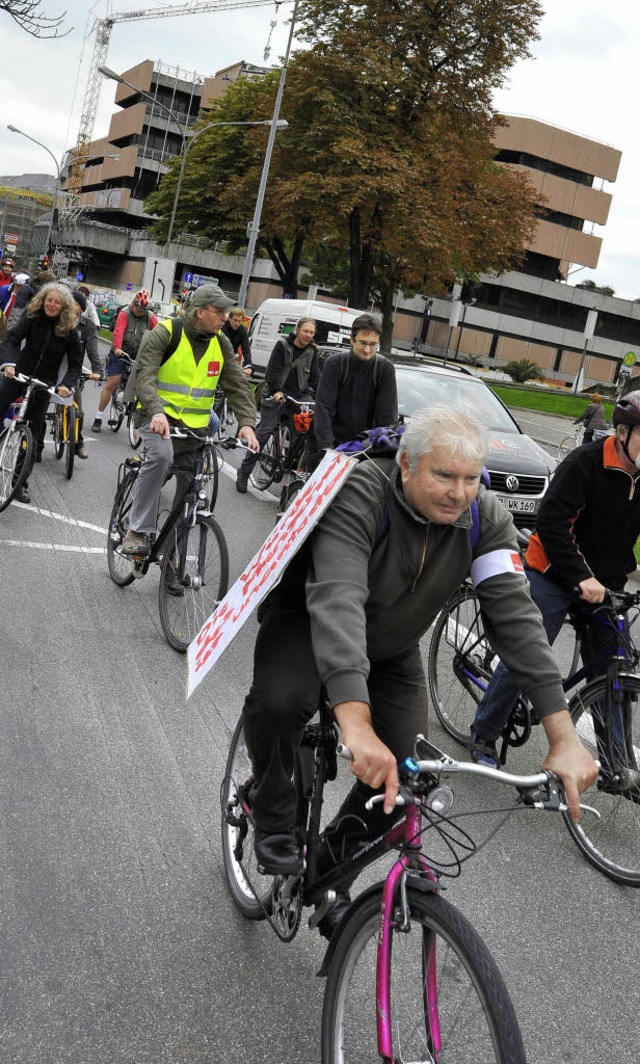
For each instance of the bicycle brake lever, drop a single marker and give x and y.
(552, 800)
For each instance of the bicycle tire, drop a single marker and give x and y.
(457, 650)
(611, 843)
(251, 891)
(121, 567)
(15, 442)
(288, 495)
(135, 438)
(57, 431)
(565, 446)
(117, 409)
(263, 473)
(211, 471)
(70, 442)
(199, 556)
(474, 1013)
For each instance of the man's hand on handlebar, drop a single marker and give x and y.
(372, 761)
(63, 391)
(592, 590)
(160, 425)
(569, 759)
(248, 436)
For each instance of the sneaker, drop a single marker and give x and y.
(97, 424)
(80, 451)
(135, 543)
(483, 751)
(334, 914)
(242, 480)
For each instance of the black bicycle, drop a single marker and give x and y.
(16, 440)
(190, 547)
(408, 977)
(120, 407)
(284, 452)
(605, 710)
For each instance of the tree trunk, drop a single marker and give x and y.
(387, 293)
(286, 264)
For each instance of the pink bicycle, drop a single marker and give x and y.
(408, 977)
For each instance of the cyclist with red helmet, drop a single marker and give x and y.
(584, 541)
(131, 324)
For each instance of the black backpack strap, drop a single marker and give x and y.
(176, 336)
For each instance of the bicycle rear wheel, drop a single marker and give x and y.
(57, 431)
(265, 468)
(460, 663)
(16, 450)
(250, 890)
(193, 579)
(448, 999)
(610, 837)
(70, 442)
(121, 566)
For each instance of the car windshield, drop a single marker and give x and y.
(419, 387)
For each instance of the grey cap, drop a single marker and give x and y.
(210, 295)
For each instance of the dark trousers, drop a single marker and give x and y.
(269, 417)
(10, 390)
(284, 696)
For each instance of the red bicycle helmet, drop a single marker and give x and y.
(141, 298)
(627, 410)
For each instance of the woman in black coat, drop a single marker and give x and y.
(36, 346)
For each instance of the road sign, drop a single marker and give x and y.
(128, 286)
(79, 276)
(630, 358)
(188, 278)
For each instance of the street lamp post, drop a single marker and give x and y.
(56, 187)
(253, 229)
(185, 136)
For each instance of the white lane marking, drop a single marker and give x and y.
(52, 546)
(60, 517)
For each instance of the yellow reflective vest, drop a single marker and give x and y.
(186, 387)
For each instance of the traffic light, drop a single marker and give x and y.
(43, 264)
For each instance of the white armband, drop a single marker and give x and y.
(494, 563)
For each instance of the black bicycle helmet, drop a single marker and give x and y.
(627, 410)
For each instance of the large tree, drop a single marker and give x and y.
(29, 17)
(387, 171)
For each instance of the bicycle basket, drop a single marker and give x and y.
(302, 422)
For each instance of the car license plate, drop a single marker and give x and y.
(520, 506)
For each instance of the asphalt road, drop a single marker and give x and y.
(118, 940)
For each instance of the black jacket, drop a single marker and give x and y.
(43, 351)
(354, 395)
(283, 376)
(589, 519)
(239, 339)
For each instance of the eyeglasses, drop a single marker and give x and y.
(365, 343)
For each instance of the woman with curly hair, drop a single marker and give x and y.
(36, 346)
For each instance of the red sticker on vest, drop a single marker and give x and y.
(213, 369)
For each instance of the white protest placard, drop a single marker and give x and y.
(266, 568)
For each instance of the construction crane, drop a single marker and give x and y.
(103, 27)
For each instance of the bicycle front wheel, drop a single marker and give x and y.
(70, 442)
(265, 468)
(134, 433)
(608, 722)
(448, 1000)
(16, 449)
(460, 663)
(193, 579)
(121, 566)
(57, 431)
(288, 496)
(250, 890)
(211, 473)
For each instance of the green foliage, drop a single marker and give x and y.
(551, 401)
(524, 370)
(386, 175)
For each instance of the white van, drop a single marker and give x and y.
(277, 318)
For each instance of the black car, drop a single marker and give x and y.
(519, 469)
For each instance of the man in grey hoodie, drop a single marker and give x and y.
(349, 614)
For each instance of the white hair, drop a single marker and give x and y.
(454, 428)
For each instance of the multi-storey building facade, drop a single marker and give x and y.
(531, 313)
